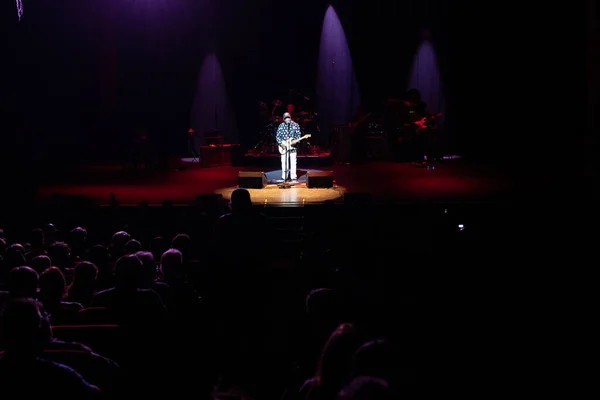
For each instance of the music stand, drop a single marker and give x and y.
(192, 145)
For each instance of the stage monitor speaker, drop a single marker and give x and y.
(319, 179)
(252, 180)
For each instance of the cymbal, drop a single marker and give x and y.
(277, 103)
(303, 113)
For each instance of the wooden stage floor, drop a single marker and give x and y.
(450, 181)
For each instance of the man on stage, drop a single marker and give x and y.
(287, 131)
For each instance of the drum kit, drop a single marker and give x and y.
(273, 116)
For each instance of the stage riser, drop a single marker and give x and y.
(227, 154)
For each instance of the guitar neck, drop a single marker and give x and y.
(299, 139)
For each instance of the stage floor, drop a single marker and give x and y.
(450, 181)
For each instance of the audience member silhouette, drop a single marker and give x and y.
(148, 279)
(21, 369)
(40, 263)
(323, 316)
(158, 246)
(23, 282)
(77, 241)
(117, 245)
(183, 243)
(241, 234)
(130, 304)
(60, 254)
(52, 289)
(184, 299)
(333, 368)
(252, 316)
(381, 358)
(83, 288)
(133, 246)
(14, 256)
(95, 368)
(50, 234)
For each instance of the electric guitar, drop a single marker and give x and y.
(287, 144)
(425, 122)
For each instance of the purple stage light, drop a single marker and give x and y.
(212, 112)
(425, 77)
(337, 87)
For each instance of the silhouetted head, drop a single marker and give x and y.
(171, 264)
(379, 358)
(53, 285)
(118, 242)
(127, 272)
(148, 271)
(290, 108)
(40, 263)
(98, 255)
(21, 327)
(60, 255)
(133, 246)
(50, 233)
(240, 200)
(183, 243)
(14, 256)
(86, 274)
(120, 238)
(23, 282)
(333, 368)
(77, 239)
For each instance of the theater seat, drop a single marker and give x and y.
(107, 376)
(107, 340)
(96, 370)
(95, 316)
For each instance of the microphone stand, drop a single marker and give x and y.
(286, 184)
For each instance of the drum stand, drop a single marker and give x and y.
(259, 147)
(265, 142)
